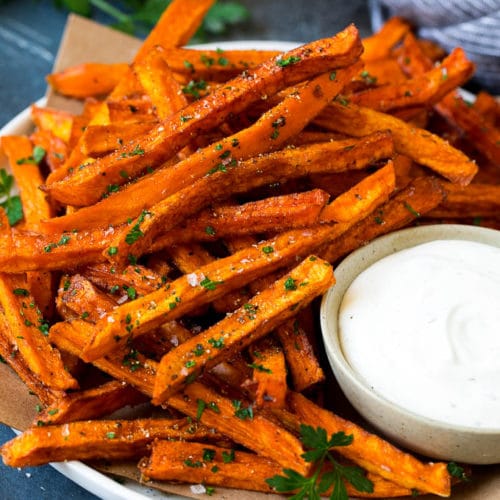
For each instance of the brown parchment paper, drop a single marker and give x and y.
(87, 41)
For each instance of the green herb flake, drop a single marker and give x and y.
(198, 350)
(217, 343)
(200, 408)
(333, 75)
(188, 65)
(20, 291)
(241, 412)
(259, 368)
(112, 251)
(208, 284)
(193, 88)
(11, 204)
(131, 293)
(36, 157)
(208, 454)
(457, 471)
(268, 249)
(190, 364)
(228, 456)
(213, 406)
(189, 463)
(54, 411)
(410, 209)
(290, 284)
(287, 61)
(210, 231)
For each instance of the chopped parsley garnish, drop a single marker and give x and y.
(189, 463)
(35, 158)
(228, 456)
(259, 368)
(112, 250)
(209, 284)
(11, 204)
(218, 344)
(241, 412)
(111, 435)
(190, 364)
(200, 408)
(188, 65)
(457, 471)
(316, 484)
(290, 284)
(411, 209)
(210, 231)
(193, 88)
(137, 151)
(131, 292)
(198, 350)
(131, 359)
(287, 61)
(20, 291)
(208, 454)
(135, 233)
(268, 249)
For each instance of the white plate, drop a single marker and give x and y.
(88, 478)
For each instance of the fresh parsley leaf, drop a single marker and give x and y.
(318, 483)
(12, 204)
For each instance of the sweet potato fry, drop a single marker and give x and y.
(130, 366)
(361, 199)
(373, 453)
(379, 45)
(159, 83)
(101, 139)
(420, 145)
(113, 439)
(475, 200)
(175, 133)
(237, 420)
(176, 26)
(90, 403)
(488, 107)
(269, 373)
(27, 333)
(214, 65)
(196, 289)
(19, 151)
(26, 171)
(259, 316)
(303, 365)
(88, 79)
(425, 89)
(420, 196)
(11, 356)
(56, 149)
(486, 138)
(288, 163)
(245, 471)
(58, 122)
(272, 215)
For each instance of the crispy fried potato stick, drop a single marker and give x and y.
(372, 452)
(258, 317)
(420, 196)
(245, 471)
(88, 79)
(93, 439)
(214, 65)
(86, 186)
(101, 139)
(27, 174)
(331, 156)
(360, 200)
(237, 420)
(475, 200)
(271, 215)
(90, 403)
(205, 285)
(379, 45)
(26, 331)
(420, 145)
(176, 26)
(425, 89)
(60, 123)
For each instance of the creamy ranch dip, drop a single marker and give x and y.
(422, 327)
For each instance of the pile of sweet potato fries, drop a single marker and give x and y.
(176, 233)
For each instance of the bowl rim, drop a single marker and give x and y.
(364, 257)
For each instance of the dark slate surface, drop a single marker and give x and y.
(29, 36)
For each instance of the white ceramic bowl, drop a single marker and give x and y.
(423, 435)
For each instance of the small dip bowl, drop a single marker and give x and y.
(429, 437)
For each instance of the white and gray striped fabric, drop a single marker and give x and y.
(473, 25)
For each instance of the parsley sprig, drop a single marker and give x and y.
(11, 204)
(319, 452)
(139, 16)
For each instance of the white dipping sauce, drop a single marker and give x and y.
(422, 327)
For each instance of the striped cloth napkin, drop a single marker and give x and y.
(473, 25)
